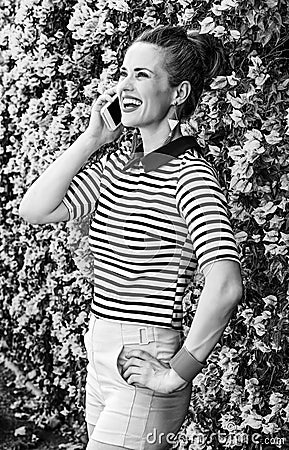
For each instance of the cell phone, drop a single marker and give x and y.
(111, 114)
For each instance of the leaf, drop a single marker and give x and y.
(214, 150)
(229, 3)
(260, 213)
(207, 25)
(254, 134)
(237, 116)
(235, 34)
(235, 152)
(260, 80)
(251, 145)
(270, 300)
(189, 13)
(21, 431)
(219, 31)
(241, 236)
(269, 208)
(271, 3)
(236, 102)
(273, 138)
(233, 80)
(285, 238)
(219, 82)
(261, 346)
(32, 374)
(224, 6)
(271, 236)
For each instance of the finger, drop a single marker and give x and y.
(132, 370)
(101, 101)
(108, 94)
(142, 354)
(101, 98)
(133, 362)
(135, 380)
(106, 97)
(111, 91)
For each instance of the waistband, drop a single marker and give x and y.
(134, 333)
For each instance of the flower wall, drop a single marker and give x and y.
(56, 57)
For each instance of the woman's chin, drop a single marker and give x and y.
(130, 120)
(129, 123)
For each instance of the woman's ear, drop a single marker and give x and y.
(182, 92)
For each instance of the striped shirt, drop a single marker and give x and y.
(155, 219)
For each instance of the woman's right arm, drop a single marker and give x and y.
(42, 203)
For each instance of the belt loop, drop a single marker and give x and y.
(146, 335)
(143, 336)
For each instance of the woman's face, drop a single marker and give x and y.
(143, 88)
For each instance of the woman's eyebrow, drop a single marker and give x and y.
(137, 69)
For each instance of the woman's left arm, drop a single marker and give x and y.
(222, 292)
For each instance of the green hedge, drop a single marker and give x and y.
(56, 56)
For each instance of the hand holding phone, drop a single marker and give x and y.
(111, 114)
(105, 118)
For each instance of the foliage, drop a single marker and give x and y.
(56, 56)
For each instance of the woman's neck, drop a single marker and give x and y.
(153, 140)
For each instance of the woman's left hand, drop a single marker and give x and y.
(144, 370)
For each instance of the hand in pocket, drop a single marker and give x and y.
(144, 370)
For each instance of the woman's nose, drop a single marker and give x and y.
(126, 84)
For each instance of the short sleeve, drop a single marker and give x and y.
(83, 192)
(202, 204)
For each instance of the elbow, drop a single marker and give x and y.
(224, 283)
(228, 295)
(225, 301)
(28, 215)
(234, 294)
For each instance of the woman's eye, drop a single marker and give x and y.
(142, 74)
(123, 74)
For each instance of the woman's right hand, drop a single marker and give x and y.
(97, 128)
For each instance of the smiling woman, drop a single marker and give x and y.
(144, 89)
(158, 214)
(145, 92)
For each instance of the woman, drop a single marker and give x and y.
(158, 212)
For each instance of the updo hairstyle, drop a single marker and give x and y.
(190, 56)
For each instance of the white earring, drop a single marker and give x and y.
(134, 142)
(173, 122)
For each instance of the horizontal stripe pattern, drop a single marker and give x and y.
(83, 192)
(203, 207)
(149, 232)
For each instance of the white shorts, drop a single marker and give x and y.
(123, 414)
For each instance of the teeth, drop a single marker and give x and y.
(131, 101)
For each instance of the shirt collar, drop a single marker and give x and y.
(162, 155)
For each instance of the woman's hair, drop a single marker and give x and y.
(190, 56)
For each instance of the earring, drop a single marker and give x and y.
(173, 123)
(134, 142)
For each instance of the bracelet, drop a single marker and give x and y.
(185, 364)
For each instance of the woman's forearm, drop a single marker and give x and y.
(47, 192)
(211, 318)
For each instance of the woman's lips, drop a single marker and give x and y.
(130, 104)
(128, 109)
